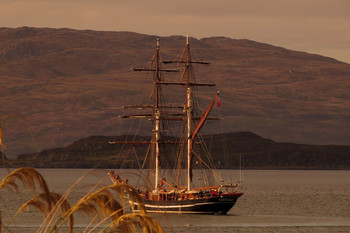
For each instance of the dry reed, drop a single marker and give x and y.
(112, 202)
(103, 201)
(39, 202)
(29, 177)
(131, 222)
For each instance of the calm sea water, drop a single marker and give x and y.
(273, 201)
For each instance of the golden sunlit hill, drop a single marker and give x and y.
(60, 85)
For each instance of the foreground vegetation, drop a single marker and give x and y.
(112, 204)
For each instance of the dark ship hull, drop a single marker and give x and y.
(211, 205)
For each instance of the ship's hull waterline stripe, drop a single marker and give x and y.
(180, 206)
(178, 211)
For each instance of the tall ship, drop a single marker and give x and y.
(177, 120)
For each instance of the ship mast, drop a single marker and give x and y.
(189, 83)
(156, 118)
(159, 115)
(156, 111)
(189, 116)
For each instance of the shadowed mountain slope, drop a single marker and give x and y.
(59, 85)
(248, 149)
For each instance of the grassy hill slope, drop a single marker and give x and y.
(59, 85)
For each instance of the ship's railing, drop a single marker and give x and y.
(168, 194)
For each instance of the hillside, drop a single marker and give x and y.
(59, 85)
(254, 151)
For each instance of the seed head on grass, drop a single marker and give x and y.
(39, 202)
(130, 223)
(111, 201)
(103, 201)
(29, 177)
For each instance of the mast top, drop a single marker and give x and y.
(157, 43)
(187, 39)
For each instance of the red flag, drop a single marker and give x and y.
(219, 104)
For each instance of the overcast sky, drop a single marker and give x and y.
(315, 26)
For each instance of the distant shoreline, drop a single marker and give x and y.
(257, 153)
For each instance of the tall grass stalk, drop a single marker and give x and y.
(29, 177)
(112, 202)
(50, 218)
(102, 200)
